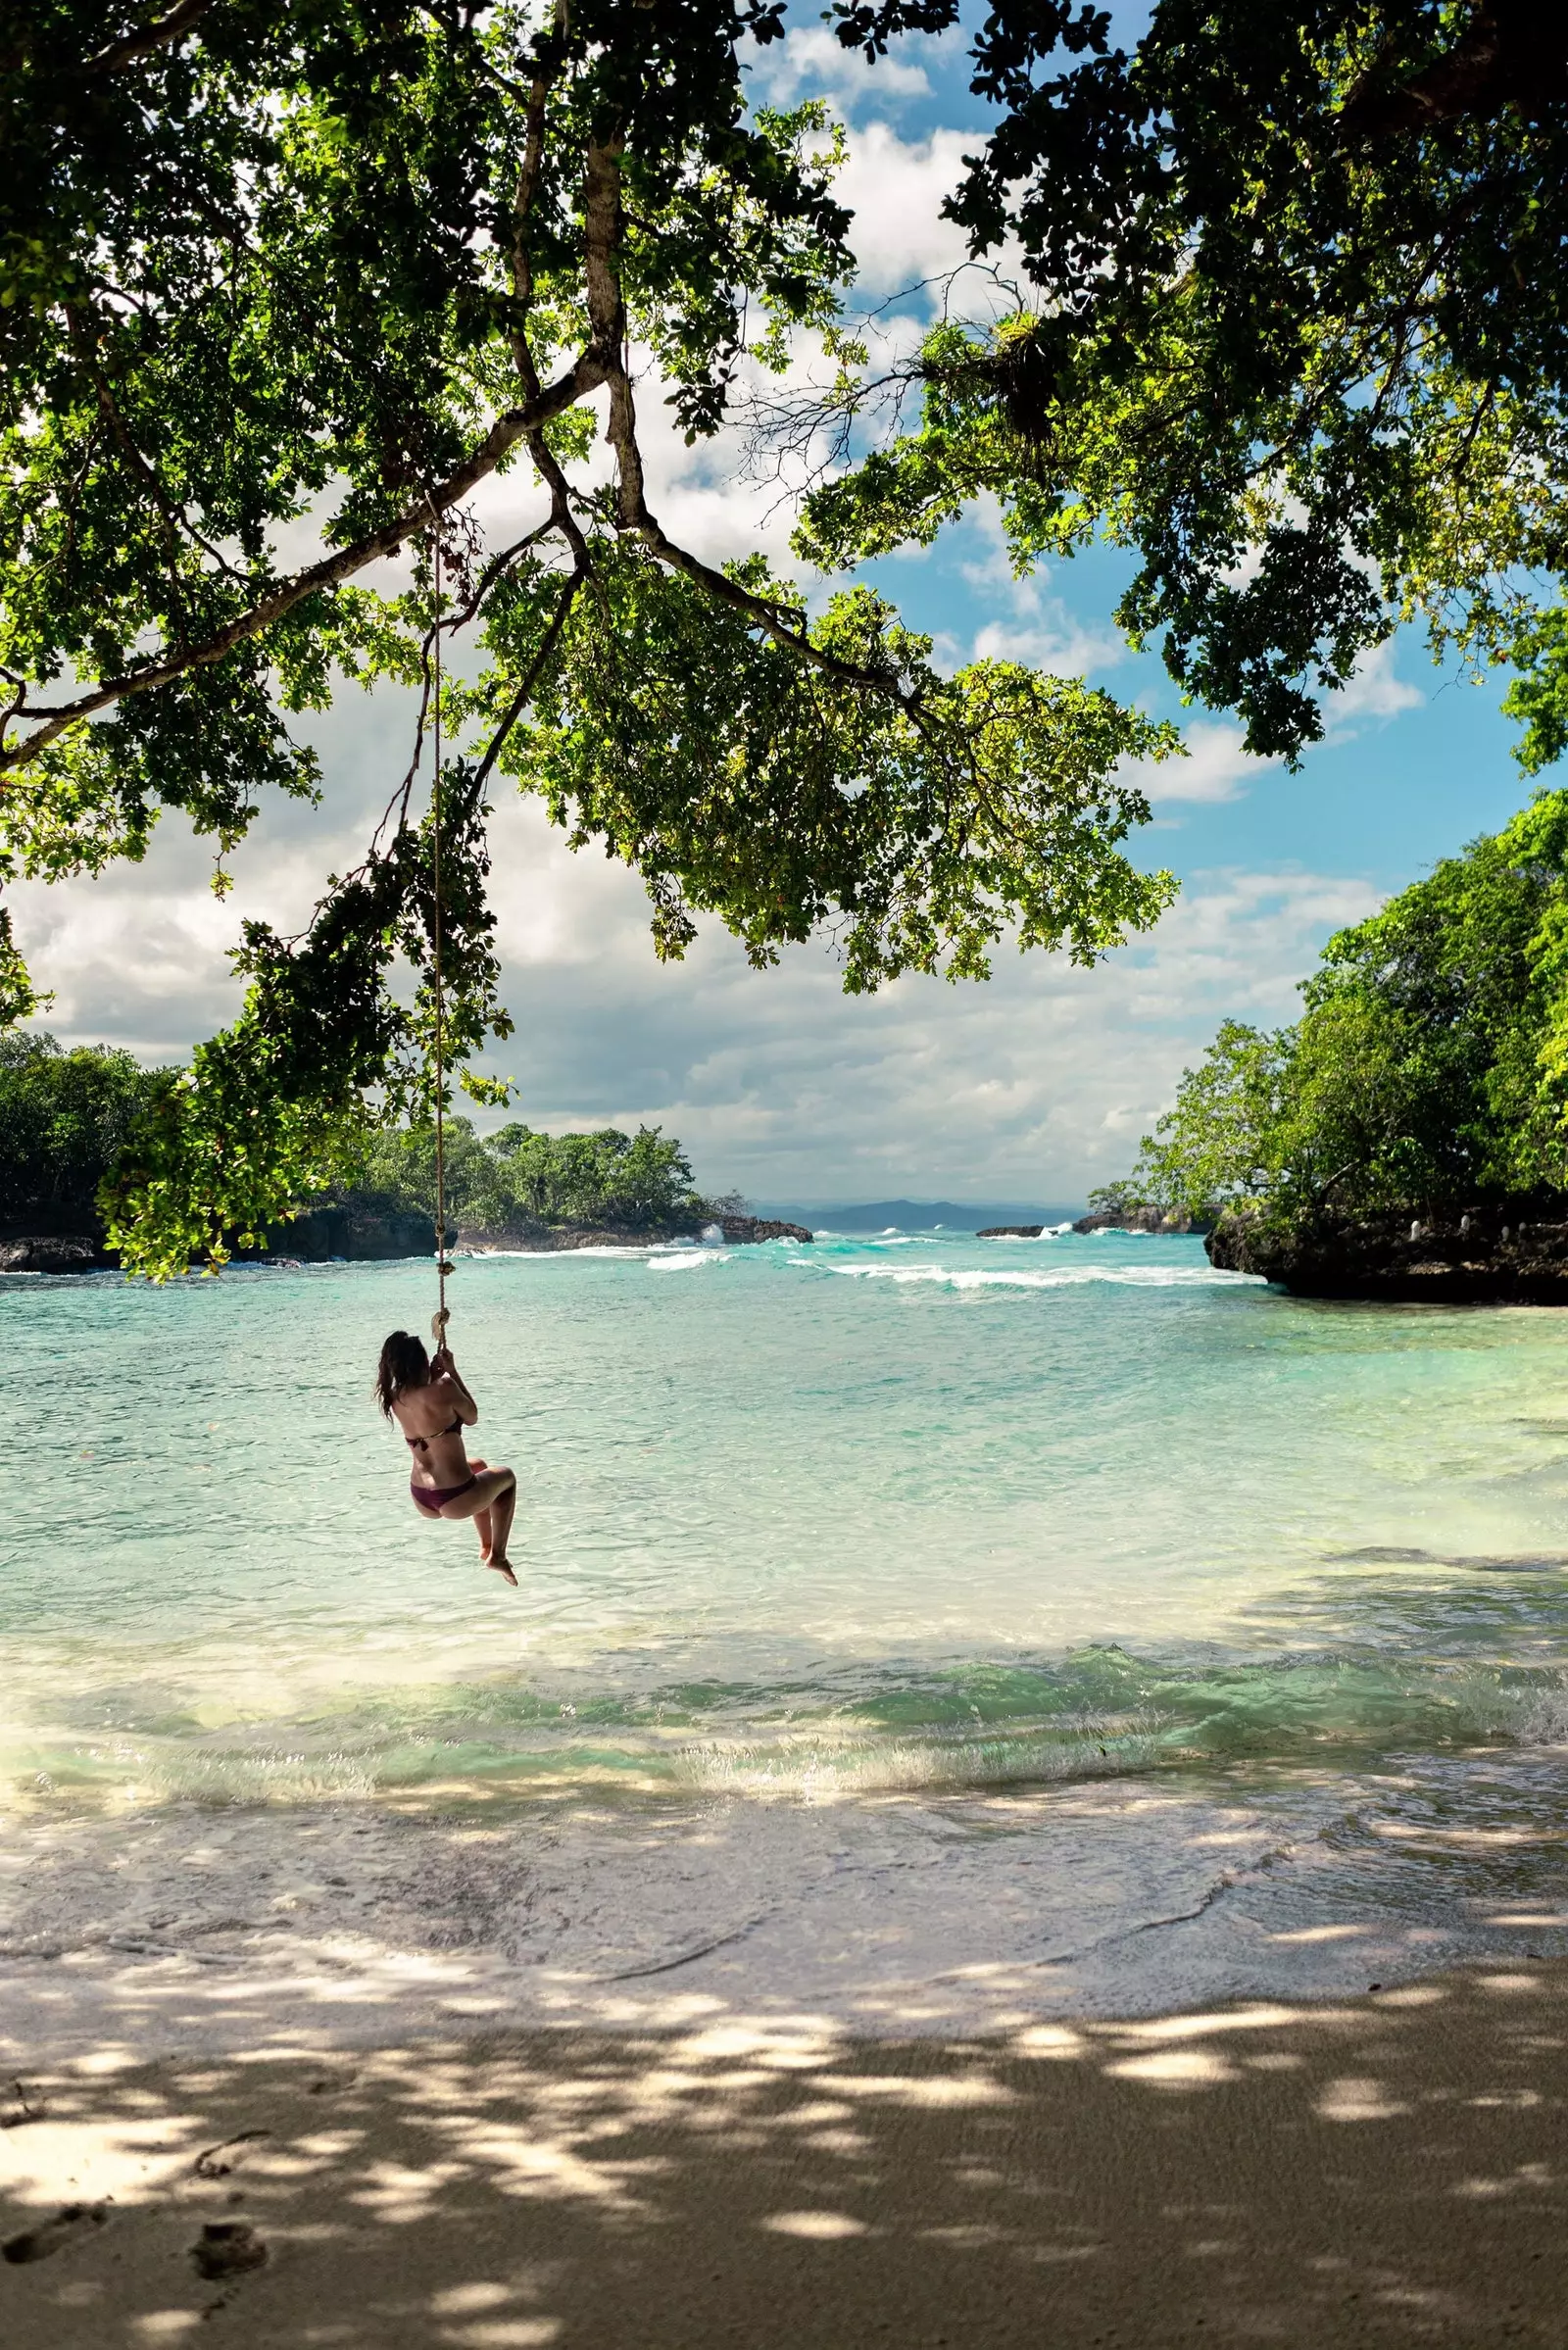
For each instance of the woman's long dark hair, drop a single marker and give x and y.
(404, 1364)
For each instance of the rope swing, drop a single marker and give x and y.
(438, 1325)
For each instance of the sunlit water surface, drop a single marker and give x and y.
(916, 1515)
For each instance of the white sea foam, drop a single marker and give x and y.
(632, 1253)
(1082, 1747)
(1148, 1277)
(686, 1260)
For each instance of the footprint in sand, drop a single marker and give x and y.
(227, 2248)
(37, 2243)
(19, 2106)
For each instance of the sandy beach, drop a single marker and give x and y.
(1387, 2171)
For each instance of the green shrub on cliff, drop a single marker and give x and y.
(1430, 1064)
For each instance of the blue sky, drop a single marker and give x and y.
(1033, 1086)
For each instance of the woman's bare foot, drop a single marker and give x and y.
(502, 1566)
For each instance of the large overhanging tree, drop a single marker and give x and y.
(1296, 334)
(281, 283)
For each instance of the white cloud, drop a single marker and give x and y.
(895, 188)
(1037, 1083)
(811, 62)
(1216, 767)
(1055, 642)
(1040, 628)
(1372, 692)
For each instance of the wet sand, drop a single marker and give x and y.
(1386, 2171)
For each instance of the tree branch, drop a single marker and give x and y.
(524, 693)
(608, 318)
(520, 266)
(1512, 53)
(504, 435)
(161, 34)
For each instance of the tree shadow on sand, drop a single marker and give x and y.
(1383, 2172)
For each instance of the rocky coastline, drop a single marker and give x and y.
(32, 1251)
(739, 1232)
(1510, 1251)
(361, 1235)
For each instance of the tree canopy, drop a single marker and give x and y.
(281, 286)
(1429, 1069)
(1291, 327)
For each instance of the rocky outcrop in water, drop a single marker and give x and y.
(1009, 1232)
(354, 1232)
(50, 1252)
(1503, 1252)
(1144, 1217)
(742, 1231)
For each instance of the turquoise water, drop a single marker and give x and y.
(922, 1512)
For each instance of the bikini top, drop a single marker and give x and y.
(423, 1444)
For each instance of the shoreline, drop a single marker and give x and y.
(937, 1914)
(1378, 2172)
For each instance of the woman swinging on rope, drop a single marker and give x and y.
(426, 1397)
(425, 1393)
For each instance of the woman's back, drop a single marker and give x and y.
(431, 1419)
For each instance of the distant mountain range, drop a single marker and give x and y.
(918, 1216)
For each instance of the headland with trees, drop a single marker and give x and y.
(1407, 1137)
(68, 1119)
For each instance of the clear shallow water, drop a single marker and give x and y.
(917, 1513)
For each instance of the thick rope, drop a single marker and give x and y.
(438, 1327)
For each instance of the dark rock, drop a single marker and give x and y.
(1512, 1252)
(545, 1238)
(1144, 1217)
(742, 1231)
(356, 1232)
(52, 1253)
(1010, 1232)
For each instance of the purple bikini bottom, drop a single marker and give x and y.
(433, 1499)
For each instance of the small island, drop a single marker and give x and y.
(68, 1118)
(1406, 1137)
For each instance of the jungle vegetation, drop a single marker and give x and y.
(518, 1178)
(1428, 1072)
(65, 1118)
